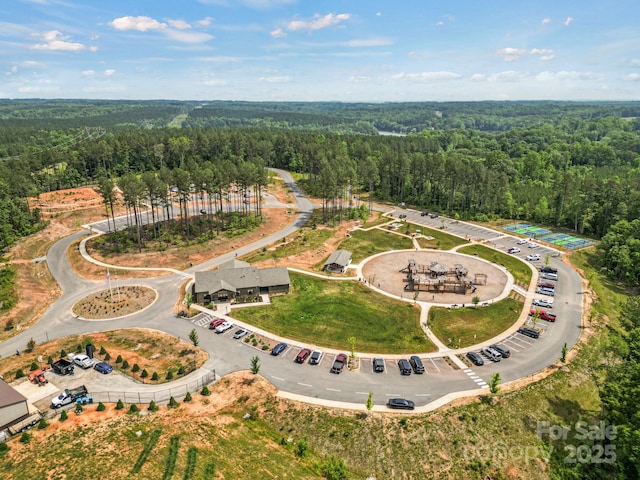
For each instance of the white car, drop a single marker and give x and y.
(533, 245)
(532, 257)
(546, 291)
(223, 327)
(543, 302)
(240, 333)
(549, 276)
(513, 250)
(522, 241)
(82, 361)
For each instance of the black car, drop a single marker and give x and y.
(378, 365)
(404, 366)
(529, 332)
(424, 214)
(475, 358)
(401, 403)
(548, 269)
(416, 364)
(502, 350)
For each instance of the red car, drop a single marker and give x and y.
(302, 355)
(542, 314)
(216, 322)
(547, 285)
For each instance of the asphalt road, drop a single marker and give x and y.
(314, 382)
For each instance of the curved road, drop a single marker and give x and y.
(440, 383)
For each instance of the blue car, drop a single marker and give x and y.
(278, 349)
(103, 367)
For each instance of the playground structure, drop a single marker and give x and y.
(439, 278)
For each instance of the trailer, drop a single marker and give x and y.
(25, 424)
(62, 367)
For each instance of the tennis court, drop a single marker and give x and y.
(559, 239)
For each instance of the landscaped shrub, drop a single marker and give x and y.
(205, 391)
(102, 351)
(155, 376)
(173, 403)
(34, 366)
(4, 448)
(101, 407)
(107, 357)
(79, 409)
(135, 368)
(153, 407)
(19, 373)
(63, 416)
(42, 424)
(119, 359)
(119, 405)
(125, 365)
(133, 408)
(25, 437)
(63, 353)
(180, 370)
(50, 360)
(144, 373)
(170, 375)
(187, 397)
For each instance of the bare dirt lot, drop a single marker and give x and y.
(385, 272)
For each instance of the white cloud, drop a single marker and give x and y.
(141, 24)
(12, 71)
(187, 37)
(478, 77)
(540, 51)
(109, 72)
(508, 76)
(378, 14)
(318, 22)
(633, 77)
(511, 54)
(278, 33)
(282, 79)
(32, 64)
(545, 21)
(33, 89)
(635, 62)
(205, 22)
(568, 21)
(426, 77)
(214, 82)
(567, 75)
(179, 24)
(359, 79)
(54, 40)
(88, 73)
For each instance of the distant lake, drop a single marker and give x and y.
(393, 134)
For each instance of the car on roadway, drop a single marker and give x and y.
(82, 360)
(278, 349)
(103, 367)
(401, 403)
(339, 363)
(315, 358)
(223, 327)
(239, 333)
(302, 356)
(542, 302)
(404, 366)
(502, 349)
(522, 241)
(513, 250)
(529, 332)
(475, 358)
(532, 257)
(378, 365)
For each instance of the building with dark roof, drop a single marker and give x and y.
(237, 278)
(13, 405)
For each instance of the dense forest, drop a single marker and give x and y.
(573, 166)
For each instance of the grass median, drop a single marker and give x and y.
(327, 313)
(521, 271)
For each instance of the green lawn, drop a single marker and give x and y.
(364, 244)
(301, 241)
(461, 324)
(519, 269)
(441, 240)
(327, 313)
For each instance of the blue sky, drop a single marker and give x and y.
(349, 50)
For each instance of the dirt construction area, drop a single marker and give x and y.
(385, 273)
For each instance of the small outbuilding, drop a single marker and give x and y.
(13, 405)
(338, 261)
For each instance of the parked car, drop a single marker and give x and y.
(215, 322)
(239, 333)
(103, 367)
(492, 354)
(278, 349)
(522, 241)
(223, 327)
(378, 365)
(402, 215)
(502, 349)
(543, 315)
(315, 358)
(302, 356)
(532, 245)
(404, 366)
(546, 291)
(401, 403)
(423, 214)
(548, 269)
(82, 360)
(338, 363)
(475, 358)
(547, 285)
(416, 364)
(529, 332)
(543, 302)
(532, 257)
(513, 250)
(549, 276)
(433, 215)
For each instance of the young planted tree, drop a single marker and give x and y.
(494, 383)
(193, 336)
(352, 346)
(255, 365)
(563, 357)
(370, 402)
(31, 345)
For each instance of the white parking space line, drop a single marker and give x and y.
(434, 364)
(423, 394)
(362, 393)
(305, 384)
(523, 339)
(392, 394)
(332, 389)
(467, 370)
(277, 378)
